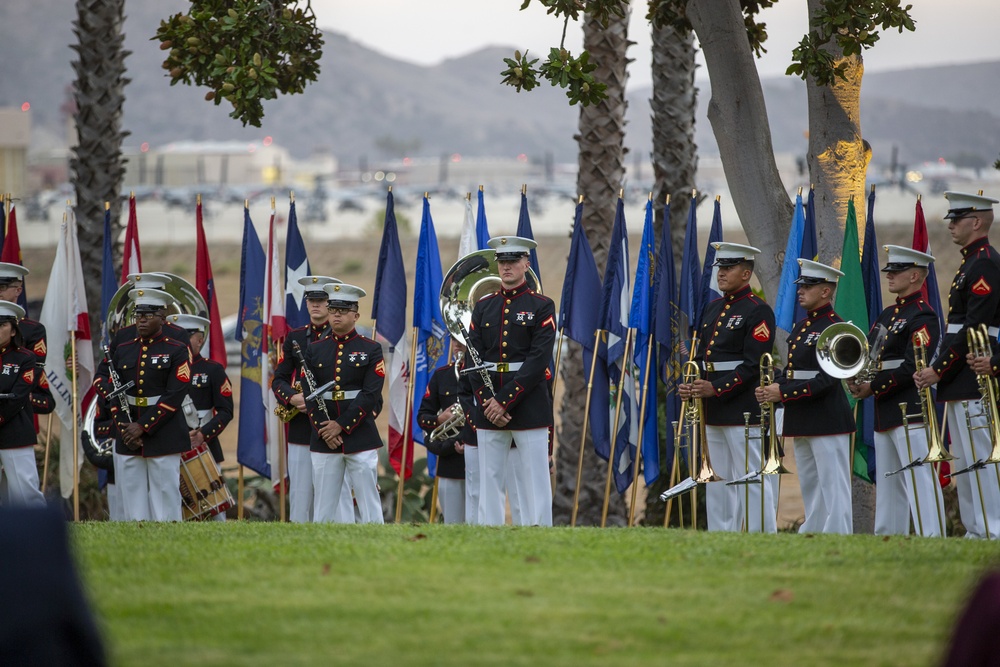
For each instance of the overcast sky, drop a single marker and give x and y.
(429, 31)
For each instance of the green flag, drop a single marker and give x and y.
(851, 305)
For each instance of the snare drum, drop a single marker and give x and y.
(203, 490)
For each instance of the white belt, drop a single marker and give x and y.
(142, 401)
(504, 367)
(955, 328)
(892, 364)
(340, 395)
(202, 414)
(715, 366)
(801, 375)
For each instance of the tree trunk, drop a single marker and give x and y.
(601, 170)
(739, 121)
(675, 161)
(97, 165)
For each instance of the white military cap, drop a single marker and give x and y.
(511, 247)
(343, 296)
(730, 254)
(148, 300)
(190, 322)
(961, 204)
(10, 311)
(150, 280)
(814, 273)
(12, 272)
(315, 286)
(902, 258)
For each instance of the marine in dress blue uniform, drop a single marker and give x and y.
(735, 331)
(817, 414)
(33, 337)
(287, 387)
(344, 449)
(18, 368)
(513, 330)
(154, 433)
(909, 322)
(973, 300)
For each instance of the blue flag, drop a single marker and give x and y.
(296, 266)
(615, 303)
(482, 230)
(871, 276)
(786, 303)
(524, 231)
(251, 446)
(108, 273)
(667, 330)
(810, 247)
(432, 335)
(709, 273)
(690, 285)
(642, 318)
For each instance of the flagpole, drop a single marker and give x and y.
(642, 423)
(675, 469)
(76, 431)
(48, 440)
(239, 493)
(282, 517)
(614, 430)
(407, 427)
(434, 500)
(583, 428)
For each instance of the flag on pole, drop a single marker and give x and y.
(467, 241)
(852, 307)
(642, 318)
(615, 303)
(389, 314)
(64, 314)
(690, 286)
(296, 266)
(275, 330)
(709, 272)
(251, 443)
(131, 257)
(873, 297)
(524, 231)
(205, 284)
(667, 332)
(930, 290)
(482, 229)
(810, 247)
(787, 304)
(3, 219)
(108, 273)
(11, 253)
(432, 335)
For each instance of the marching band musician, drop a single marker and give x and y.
(817, 413)
(287, 387)
(974, 299)
(33, 335)
(908, 322)
(436, 409)
(103, 459)
(154, 433)
(210, 390)
(736, 330)
(18, 368)
(514, 329)
(344, 447)
(148, 281)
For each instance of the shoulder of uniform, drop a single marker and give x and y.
(488, 296)
(368, 340)
(174, 342)
(212, 363)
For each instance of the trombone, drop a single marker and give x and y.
(691, 427)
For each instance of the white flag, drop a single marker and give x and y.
(467, 243)
(274, 330)
(64, 314)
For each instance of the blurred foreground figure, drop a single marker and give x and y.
(976, 639)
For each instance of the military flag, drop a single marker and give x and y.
(205, 284)
(296, 266)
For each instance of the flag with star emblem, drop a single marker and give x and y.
(205, 284)
(296, 266)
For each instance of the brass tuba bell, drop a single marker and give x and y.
(842, 351)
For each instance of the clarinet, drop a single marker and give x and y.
(477, 362)
(118, 389)
(310, 379)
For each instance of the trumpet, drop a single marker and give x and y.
(452, 427)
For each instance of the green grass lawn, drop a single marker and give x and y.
(279, 594)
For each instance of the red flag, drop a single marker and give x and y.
(131, 257)
(205, 284)
(11, 253)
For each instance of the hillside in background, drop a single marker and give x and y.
(364, 103)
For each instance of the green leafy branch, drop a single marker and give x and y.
(244, 51)
(673, 13)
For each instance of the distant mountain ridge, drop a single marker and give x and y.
(365, 102)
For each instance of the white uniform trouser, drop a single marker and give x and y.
(332, 473)
(451, 495)
(977, 515)
(895, 501)
(532, 472)
(727, 505)
(471, 454)
(300, 484)
(116, 504)
(150, 487)
(824, 468)
(22, 477)
(513, 495)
